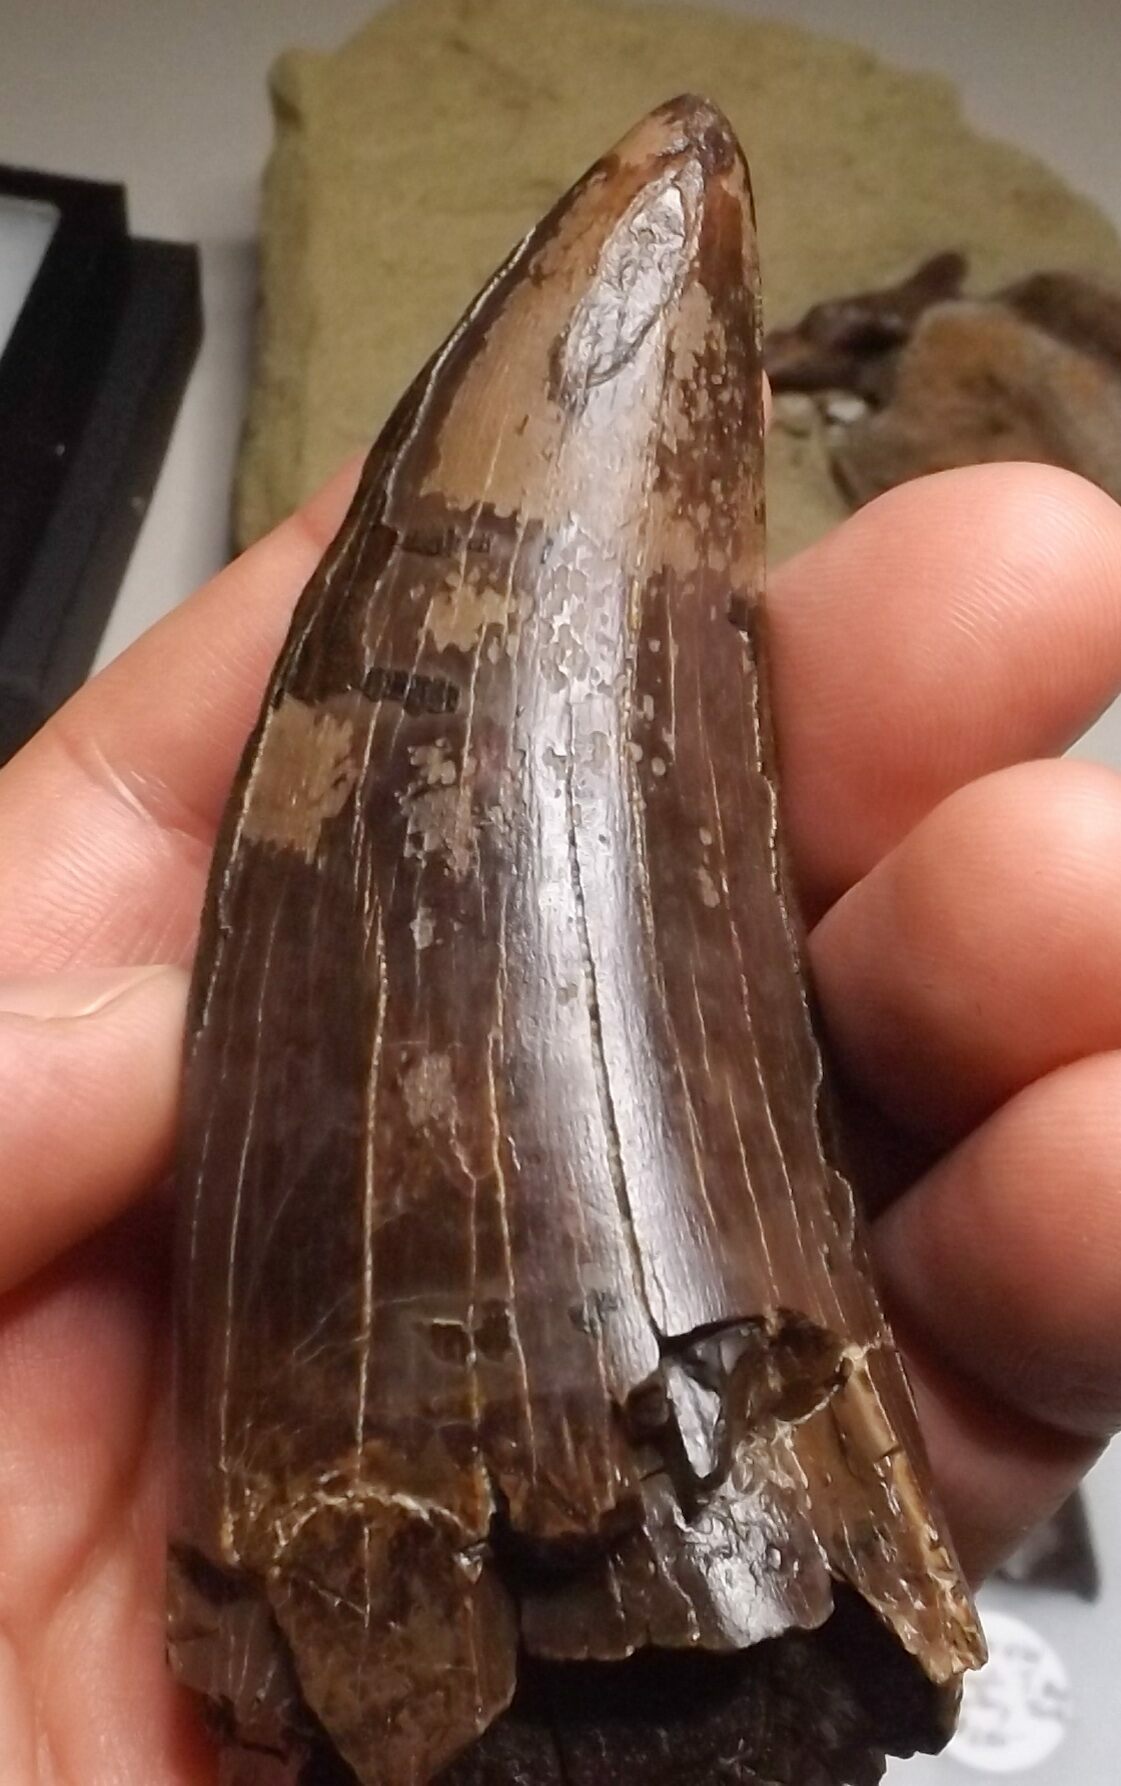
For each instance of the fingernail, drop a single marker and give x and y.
(79, 994)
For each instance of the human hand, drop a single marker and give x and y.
(967, 959)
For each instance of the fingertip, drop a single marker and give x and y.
(997, 1474)
(957, 624)
(1005, 1258)
(982, 951)
(321, 516)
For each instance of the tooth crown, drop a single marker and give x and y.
(520, 1303)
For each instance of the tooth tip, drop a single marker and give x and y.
(688, 125)
(696, 115)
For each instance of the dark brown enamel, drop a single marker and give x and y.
(522, 1323)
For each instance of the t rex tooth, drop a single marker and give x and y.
(537, 1417)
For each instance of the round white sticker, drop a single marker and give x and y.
(1017, 1709)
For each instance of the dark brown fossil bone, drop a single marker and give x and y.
(537, 1418)
(852, 343)
(1032, 372)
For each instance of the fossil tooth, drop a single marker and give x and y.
(537, 1417)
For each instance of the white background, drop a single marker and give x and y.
(169, 96)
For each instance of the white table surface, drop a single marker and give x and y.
(169, 96)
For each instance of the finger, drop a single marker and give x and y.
(984, 951)
(1005, 1258)
(89, 1082)
(958, 624)
(998, 1473)
(107, 817)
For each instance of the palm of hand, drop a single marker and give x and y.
(948, 632)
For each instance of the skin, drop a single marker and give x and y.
(930, 660)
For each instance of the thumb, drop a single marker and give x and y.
(89, 1088)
